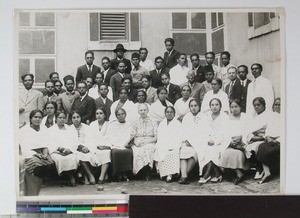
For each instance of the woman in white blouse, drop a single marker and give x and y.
(182, 104)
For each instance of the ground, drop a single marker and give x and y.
(159, 187)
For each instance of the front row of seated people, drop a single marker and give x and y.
(157, 136)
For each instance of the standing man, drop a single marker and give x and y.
(155, 74)
(170, 56)
(195, 60)
(150, 91)
(138, 71)
(259, 87)
(234, 89)
(120, 50)
(108, 72)
(174, 92)
(197, 89)
(145, 63)
(242, 73)
(89, 69)
(179, 72)
(50, 95)
(67, 98)
(84, 104)
(210, 66)
(29, 99)
(116, 79)
(103, 101)
(225, 59)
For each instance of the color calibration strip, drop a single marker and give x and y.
(109, 210)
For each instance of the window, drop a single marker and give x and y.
(36, 44)
(262, 23)
(109, 29)
(216, 20)
(196, 34)
(190, 30)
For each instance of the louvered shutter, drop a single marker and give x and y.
(113, 26)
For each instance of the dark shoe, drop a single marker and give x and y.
(101, 181)
(183, 181)
(238, 180)
(148, 178)
(265, 179)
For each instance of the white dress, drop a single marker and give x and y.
(98, 138)
(83, 134)
(167, 149)
(157, 111)
(181, 107)
(62, 138)
(233, 158)
(128, 106)
(210, 95)
(214, 130)
(192, 133)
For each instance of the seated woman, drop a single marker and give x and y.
(169, 141)
(85, 155)
(144, 134)
(268, 153)
(214, 142)
(256, 128)
(34, 153)
(192, 134)
(218, 93)
(141, 99)
(97, 141)
(118, 137)
(234, 157)
(125, 104)
(49, 119)
(182, 104)
(157, 109)
(63, 148)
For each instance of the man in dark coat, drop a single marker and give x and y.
(89, 69)
(171, 55)
(155, 74)
(84, 104)
(120, 50)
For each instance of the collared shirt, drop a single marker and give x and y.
(243, 82)
(224, 74)
(105, 72)
(70, 93)
(168, 87)
(103, 99)
(121, 74)
(178, 74)
(90, 67)
(147, 64)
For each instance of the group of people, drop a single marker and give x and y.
(134, 117)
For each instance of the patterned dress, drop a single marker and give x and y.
(143, 130)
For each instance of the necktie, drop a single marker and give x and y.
(90, 69)
(230, 90)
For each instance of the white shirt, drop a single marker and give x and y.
(90, 67)
(147, 64)
(178, 74)
(82, 97)
(259, 87)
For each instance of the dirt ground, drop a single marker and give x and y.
(159, 187)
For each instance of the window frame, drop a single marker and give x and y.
(109, 45)
(189, 22)
(33, 57)
(272, 26)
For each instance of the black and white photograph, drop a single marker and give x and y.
(149, 102)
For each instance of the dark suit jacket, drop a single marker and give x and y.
(155, 77)
(116, 84)
(174, 93)
(132, 94)
(237, 91)
(244, 95)
(200, 75)
(100, 104)
(83, 72)
(114, 63)
(171, 61)
(86, 108)
(109, 74)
